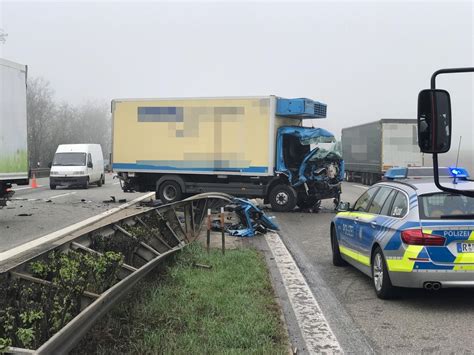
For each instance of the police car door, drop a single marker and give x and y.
(357, 217)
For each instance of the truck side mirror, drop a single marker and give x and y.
(90, 165)
(434, 121)
(50, 165)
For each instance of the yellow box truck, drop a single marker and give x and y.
(244, 146)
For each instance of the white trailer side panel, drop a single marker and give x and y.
(400, 146)
(13, 124)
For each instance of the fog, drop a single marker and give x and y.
(366, 60)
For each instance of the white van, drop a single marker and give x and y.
(77, 165)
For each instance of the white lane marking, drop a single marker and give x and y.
(66, 194)
(315, 329)
(25, 188)
(65, 231)
(361, 186)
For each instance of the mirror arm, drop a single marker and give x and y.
(449, 71)
(435, 155)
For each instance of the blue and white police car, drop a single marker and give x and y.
(408, 234)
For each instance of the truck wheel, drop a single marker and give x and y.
(52, 187)
(99, 183)
(86, 184)
(169, 192)
(283, 198)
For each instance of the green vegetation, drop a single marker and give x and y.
(228, 309)
(30, 313)
(14, 163)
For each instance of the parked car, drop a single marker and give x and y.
(408, 234)
(77, 165)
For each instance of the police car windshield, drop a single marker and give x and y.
(442, 205)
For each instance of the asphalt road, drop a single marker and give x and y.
(37, 212)
(417, 322)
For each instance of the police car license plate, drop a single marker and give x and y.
(465, 247)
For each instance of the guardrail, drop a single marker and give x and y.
(164, 230)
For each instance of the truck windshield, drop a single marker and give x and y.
(69, 159)
(443, 205)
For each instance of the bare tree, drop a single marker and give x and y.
(41, 111)
(51, 124)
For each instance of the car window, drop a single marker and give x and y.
(363, 202)
(433, 206)
(379, 199)
(400, 205)
(388, 203)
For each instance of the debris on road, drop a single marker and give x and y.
(252, 219)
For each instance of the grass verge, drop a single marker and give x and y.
(229, 309)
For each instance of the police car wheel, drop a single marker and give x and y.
(337, 259)
(380, 277)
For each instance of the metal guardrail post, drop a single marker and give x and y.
(208, 240)
(223, 230)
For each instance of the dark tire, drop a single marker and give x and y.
(380, 277)
(170, 191)
(305, 202)
(337, 259)
(86, 184)
(99, 183)
(283, 198)
(52, 187)
(103, 179)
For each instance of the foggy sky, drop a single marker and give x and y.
(366, 60)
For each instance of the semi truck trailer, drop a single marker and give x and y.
(13, 128)
(370, 149)
(254, 147)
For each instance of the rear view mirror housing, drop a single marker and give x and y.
(90, 165)
(343, 207)
(434, 121)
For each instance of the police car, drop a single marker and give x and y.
(408, 234)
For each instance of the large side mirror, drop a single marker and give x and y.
(343, 207)
(50, 165)
(434, 121)
(90, 165)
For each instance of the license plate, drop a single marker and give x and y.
(465, 247)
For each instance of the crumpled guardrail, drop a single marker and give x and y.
(174, 226)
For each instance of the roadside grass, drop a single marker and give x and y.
(15, 162)
(228, 309)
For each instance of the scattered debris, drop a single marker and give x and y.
(122, 200)
(25, 214)
(202, 266)
(151, 203)
(252, 219)
(112, 200)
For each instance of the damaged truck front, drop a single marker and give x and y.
(254, 147)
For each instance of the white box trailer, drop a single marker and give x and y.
(370, 149)
(13, 128)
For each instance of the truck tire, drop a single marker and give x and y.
(283, 198)
(170, 191)
(52, 187)
(99, 183)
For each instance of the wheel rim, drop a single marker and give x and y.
(169, 192)
(378, 271)
(282, 198)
